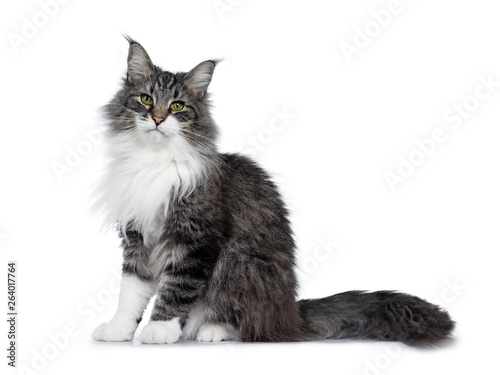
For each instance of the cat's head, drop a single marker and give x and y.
(157, 108)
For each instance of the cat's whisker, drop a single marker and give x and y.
(195, 134)
(198, 142)
(211, 153)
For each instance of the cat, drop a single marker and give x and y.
(209, 234)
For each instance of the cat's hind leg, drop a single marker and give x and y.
(216, 332)
(202, 325)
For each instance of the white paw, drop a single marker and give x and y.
(216, 332)
(114, 332)
(161, 332)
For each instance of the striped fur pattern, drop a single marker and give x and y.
(211, 232)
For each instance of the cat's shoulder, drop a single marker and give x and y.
(241, 164)
(245, 173)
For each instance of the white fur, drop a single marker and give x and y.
(216, 332)
(198, 328)
(148, 165)
(197, 316)
(134, 297)
(114, 332)
(161, 332)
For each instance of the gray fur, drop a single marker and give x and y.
(234, 248)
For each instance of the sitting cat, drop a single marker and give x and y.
(209, 234)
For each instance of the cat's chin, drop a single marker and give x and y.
(157, 136)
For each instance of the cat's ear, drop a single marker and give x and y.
(198, 78)
(139, 65)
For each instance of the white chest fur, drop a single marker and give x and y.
(140, 181)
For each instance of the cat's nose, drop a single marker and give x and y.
(158, 120)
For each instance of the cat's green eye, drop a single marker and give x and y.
(176, 106)
(146, 99)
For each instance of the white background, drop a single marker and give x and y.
(435, 236)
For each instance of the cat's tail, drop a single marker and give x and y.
(384, 315)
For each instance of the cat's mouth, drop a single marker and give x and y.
(160, 133)
(157, 131)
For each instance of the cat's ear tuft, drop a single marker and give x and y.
(198, 78)
(139, 65)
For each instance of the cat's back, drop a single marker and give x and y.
(243, 175)
(250, 194)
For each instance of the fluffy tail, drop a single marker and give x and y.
(384, 315)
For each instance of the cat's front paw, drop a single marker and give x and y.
(161, 332)
(114, 332)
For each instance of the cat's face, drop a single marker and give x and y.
(157, 108)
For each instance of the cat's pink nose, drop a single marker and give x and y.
(158, 120)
